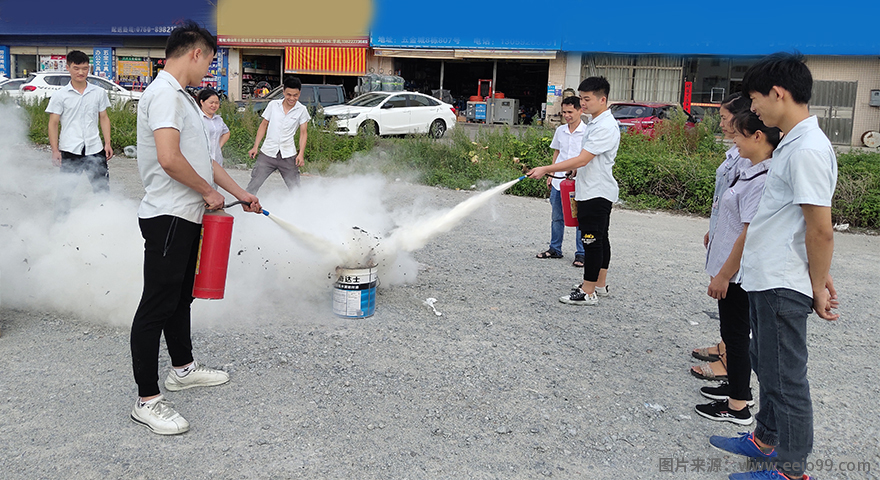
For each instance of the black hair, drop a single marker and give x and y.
(187, 37)
(293, 82)
(205, 94)
(596, 85)
(574, 101)
(781, 69)
(748, 123)
(76, 57)
(736, 103)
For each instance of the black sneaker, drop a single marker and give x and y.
(721, 393)
(579, 297)
(721, 412)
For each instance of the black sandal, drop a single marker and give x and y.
(548, 254)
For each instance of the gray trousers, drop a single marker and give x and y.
(266, 165)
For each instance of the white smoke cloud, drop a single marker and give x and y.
(90, 264)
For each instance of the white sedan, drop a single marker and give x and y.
(43, 84)
(9, 87)
(391, 113)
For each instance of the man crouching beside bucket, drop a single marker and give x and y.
(179, 177)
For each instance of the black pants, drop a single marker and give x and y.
(171, 247)
(733, 310)
(72, 165)
(594, 215)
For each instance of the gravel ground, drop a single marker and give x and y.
(507, 383)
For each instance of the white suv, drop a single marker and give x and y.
(41, 85)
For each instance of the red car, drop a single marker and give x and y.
(640, 117)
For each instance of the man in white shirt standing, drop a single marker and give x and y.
(596, 189)
(281, 120)
(175, 165)
(567, 142)
(785, 265)
(79, 107)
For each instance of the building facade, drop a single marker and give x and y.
(461, 51)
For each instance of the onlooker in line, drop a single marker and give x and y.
(218, 132)
(175, 165)
(595, 191)
(786, 262)
(724, 175)
(79, 107)
(567, 141)
(281, 120)
(737, 205)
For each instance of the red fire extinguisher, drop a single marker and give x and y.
(569, 205)
(213, 255)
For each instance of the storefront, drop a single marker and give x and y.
(466, 73)
(671, 64)
(329, 48)
(256, 65)
(483, 59)
(123, 43)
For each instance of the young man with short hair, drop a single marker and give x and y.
(567, 141)
(175, 165)
(281, 120)
(595, 191)
(79, 107)
(786, 262)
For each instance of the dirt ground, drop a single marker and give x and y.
(508, 383)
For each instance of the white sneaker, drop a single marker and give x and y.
(159, 416)
(579, 297)
(600, 291)
(200, 376)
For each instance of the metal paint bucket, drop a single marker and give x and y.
(354, 293)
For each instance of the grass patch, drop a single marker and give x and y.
(673, 171)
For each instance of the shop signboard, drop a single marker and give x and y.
(4, 61)
(103, 63)
(53, 63)
(216, 77)
(135, 73)
(105, 17)
(634, 27)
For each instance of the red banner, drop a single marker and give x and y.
(325, 60)
(688, 89)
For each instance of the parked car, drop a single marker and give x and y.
(311, 95)
(642, 117)
(391, 113)
(10, 87)
(41, 85)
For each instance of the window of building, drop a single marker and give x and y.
(638, 78)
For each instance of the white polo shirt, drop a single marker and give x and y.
(602, 139)
(216, 128)
(737, 206)
(165, 104)
(569, 145)
(724, 175)
(282, 128)
(79, 118)
(804, 172)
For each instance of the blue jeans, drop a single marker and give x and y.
(557, 225)
(779, 356)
